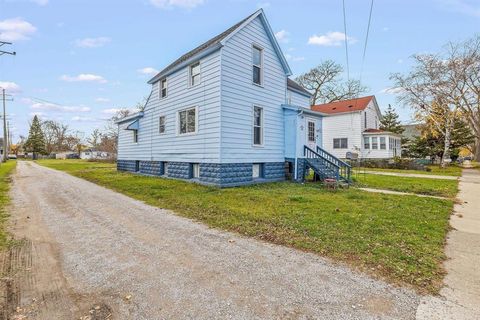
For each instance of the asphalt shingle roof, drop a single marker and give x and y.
(204, 46)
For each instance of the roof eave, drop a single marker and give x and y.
(308, 95)
(131, 117)
(185, 63)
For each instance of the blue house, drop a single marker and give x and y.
(227, 114)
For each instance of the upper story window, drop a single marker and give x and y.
(163, 88)
(187, 121)
(257, 126)
(257, 62)
(366, 142)
(340, 143)
(195, 77)
(161, 124)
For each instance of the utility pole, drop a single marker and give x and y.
(13, 53)
(4, 129)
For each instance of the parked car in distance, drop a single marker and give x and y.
(12, 156)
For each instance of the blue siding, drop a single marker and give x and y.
(239, 95)
(204, 146)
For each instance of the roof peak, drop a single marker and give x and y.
(215, 43)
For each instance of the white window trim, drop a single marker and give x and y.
(160, 88)
(164, 124)
(177, 129)
(190, 84)
(259, 47)
(262, 131)
(135, 133)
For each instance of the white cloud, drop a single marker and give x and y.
(170, 4)
(10, 87)
(330, 39)
(84, 77)
(16, 29)
(82, 119)
(148, 71)
(392, 90)
(282, 36)
(47, 106)
(468, 7)
(385, 29)
(92, 42)
(102, 100)
(293, 58)
(40, 2)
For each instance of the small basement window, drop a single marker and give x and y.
(195, 170)
(257, 170)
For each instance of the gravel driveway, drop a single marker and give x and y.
(142, 262)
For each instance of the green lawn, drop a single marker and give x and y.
(452, 170)
(433, 187)
(398, 237)
(5, 170)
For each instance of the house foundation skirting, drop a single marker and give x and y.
(216, 174)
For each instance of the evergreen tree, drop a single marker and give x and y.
(390, 121)
(36, 139)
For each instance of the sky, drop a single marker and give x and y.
(79, 61)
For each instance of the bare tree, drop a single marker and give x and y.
(95, 138)
(55, 136)
(326, 84)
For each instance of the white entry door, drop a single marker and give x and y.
(311, 134)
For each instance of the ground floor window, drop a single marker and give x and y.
(340, 143)
(366, 142)
(257, 170)
(374, 143)
(187, 121)
(383, 143)
(135, 136)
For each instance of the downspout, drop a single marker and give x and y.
(296, 156)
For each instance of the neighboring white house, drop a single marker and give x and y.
(95, 154)
(226, 114)
(352, 126)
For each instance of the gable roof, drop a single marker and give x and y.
(350, 105)
(218, 41)
(292, 85)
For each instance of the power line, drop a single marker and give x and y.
(346, 38)
(366, 41)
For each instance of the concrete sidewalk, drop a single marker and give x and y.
(460, 297)
(410, 175)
